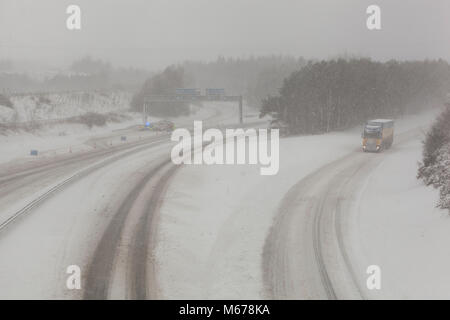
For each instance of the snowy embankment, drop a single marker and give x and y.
(50, 106)
(60, 138)
(215, 219)
(37, 122)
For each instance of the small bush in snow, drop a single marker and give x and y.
(44, 100)
(435, 168)
(4, 101)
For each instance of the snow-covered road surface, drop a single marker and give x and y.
(59, 210)
(65, 228)
(227, 232)
(139, 227)
(307, 254)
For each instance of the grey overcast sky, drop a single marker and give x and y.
(155, 33)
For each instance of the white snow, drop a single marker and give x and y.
(215, 219)
(62, 138)
(401, 230)
(63, 231)
(63, 105)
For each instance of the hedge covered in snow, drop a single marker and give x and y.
(435, 167)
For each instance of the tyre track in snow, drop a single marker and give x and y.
(87, 163)
(76, 176)
(23, 175)
(126, 247)
(306, 255)
(100, 270)
(144, 282)
(141, 205)
(14, 177)
(306, 239)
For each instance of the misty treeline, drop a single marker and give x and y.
(341, 93)
(435, 166)
(85, 74)
(253, 77)
(163, 83)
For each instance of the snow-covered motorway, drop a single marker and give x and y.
(140, 227)
(64, 226)
(308, 251)
(309, 232)
(88, 209)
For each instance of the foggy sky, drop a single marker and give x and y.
(155, 33)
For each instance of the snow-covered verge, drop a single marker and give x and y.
(215, 219)
(399, 229)
(53, 139)
(56, 138)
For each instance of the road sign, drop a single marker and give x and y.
(188, 91)
(216, 92)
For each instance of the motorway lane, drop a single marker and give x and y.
(66, 228)
(308, 253)
(21, 181)
(115, 188)
(25, 183)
